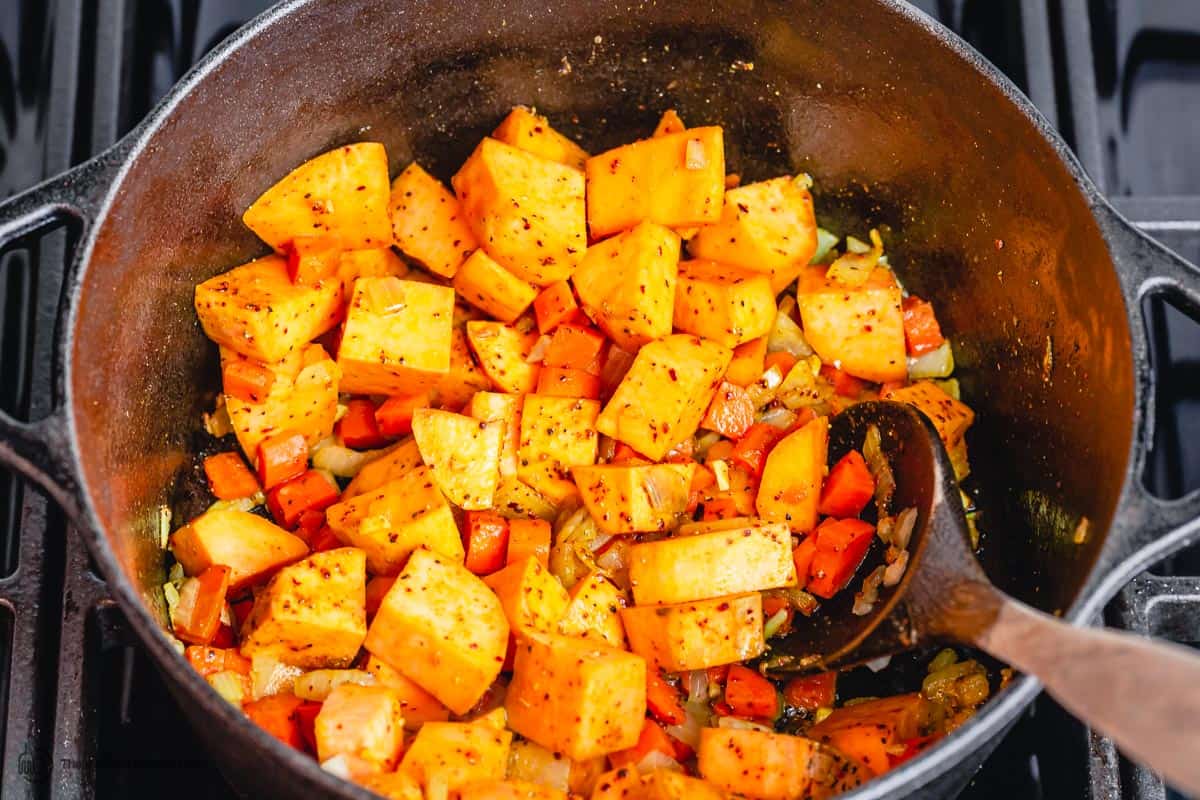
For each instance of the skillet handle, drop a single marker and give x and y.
(1155, 528)
(40, 451)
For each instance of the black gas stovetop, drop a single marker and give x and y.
(83, 713)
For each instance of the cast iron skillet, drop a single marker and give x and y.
(901, 124)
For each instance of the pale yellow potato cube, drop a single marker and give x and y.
(342, 193)
(530, 131)
(576, 697)
(465, 378)
(594, 611)
(764, 227)
(492, 289)
(303, 398)
(427, 222)
(249, 545)
(501, 350)
(860, 330)
(722, 303)
(446, 756)
(462, 452)
(677, 570)
(663, 397)
(257, 311)
(313, 613)
(526, 212)
(634, 498)
(557, 433)
(390, 522)
(505, 409)
(363, 722)
(697, 634)
(675, 180)
(532, 598)
(790, 487)
(417, 706)
(442, 627)
(396, 463)
(627, 284)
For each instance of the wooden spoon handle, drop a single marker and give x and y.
(1143, 693)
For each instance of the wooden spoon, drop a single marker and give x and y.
(1143, 693)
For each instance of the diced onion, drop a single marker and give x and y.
(721, 472)
(656, 759)
(774, 623)
(895, 571)
(343, 461)
(230, 685)
(538, 351)
(238, 504)
(865, 599)
(695, 719)
(694, 155)
(529, 761)
(854, 267)
(879, 664)
(738, 724)
(218, 423)
(338, 765)
(269, 676)
(704, 442)
(780, 417)
(772, 378)
(786, 336)
(697, 686)
(881, 471)
(317, 684)
(825, 243)
(937, 363)
(906, 520)
(950, 387)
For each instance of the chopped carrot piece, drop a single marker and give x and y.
(276, 714)
(810, 692)
(224, 637)
(747, 364)
(246, 380)
(891, 386)
(865, 744)
(912, 748)
(325, 539)
(702, 478)
(662, 699)
(281, 456)
(311, 521)
(528, 537)
(626, 455)
(486, 541)
(841, 546)
(210, 660)
(575, 346)
(752, 448)
(228, 477)
(567, 382)
(718, 675)
(652, 738)
(782, 359)
(848, 488)
(312, 259)
(306, 719)
(198, 615)
(377, 587)
(722, 506)
(358, 427)
(309, 491)
(731, 411)
(750, 694)
(803, 556)
(395, 414)
(554, 306)
(844, 384)
(921, 330)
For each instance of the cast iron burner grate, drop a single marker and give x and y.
(85, 715)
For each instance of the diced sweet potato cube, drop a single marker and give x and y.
(491, 288)
(764, 227)
(528, 538)
(722, 303)
(465, 378)
(462, 452)
(417, 706)
(669, 123)
(501, 350)
(313, 613)
(860, 329)
(505, 409)
(557, 433)
(773, 766)
(257, 311)
(747, 363)
(427, 223)
(674, 180)
(576, 697)
(667, 784)
(951, 417)
(509, 790)
(361, 721)
(751, 558)
(532, 598)
(341, 194)
(450, 755)
(378, 263)
(530, 131)
(627, 284)
(393, 785)
(634, 498)
(397, 337)
(526, 212)
(594, 611)
(303, 398)
(868, 732)
(663, 397)
(622, 783)
(791, 482)
(394, 464)
(442, 627)
(392, 521)
(246, 543)
(697, 634)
